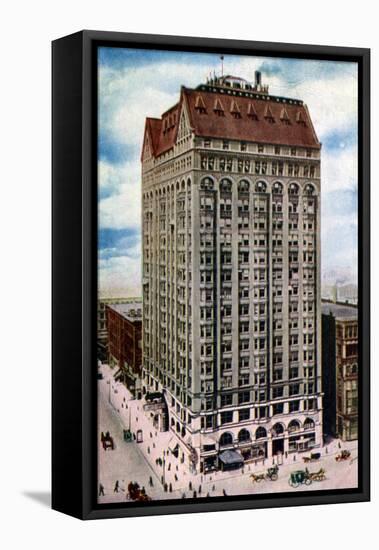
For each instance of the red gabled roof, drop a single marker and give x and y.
(243, 118)
(268, 128)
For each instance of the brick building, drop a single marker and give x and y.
(340, 369)
(124, 325)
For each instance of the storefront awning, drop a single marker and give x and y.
(231, 457)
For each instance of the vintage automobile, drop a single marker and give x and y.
(299, 477)
(343, 455)
(271, 474)
(312, 458)
(128, 436)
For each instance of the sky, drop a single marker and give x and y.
(134, 84)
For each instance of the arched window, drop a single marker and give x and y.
(243, 186)
(243, 435)
(277, 429)
(309, 190)
(293, 189)
(294, 426)
(260, 433)
(277, 188)
(260, 187)
(225, 186)
(309, 424)
(226, 439)
(206, 183)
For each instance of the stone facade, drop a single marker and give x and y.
(231, 274)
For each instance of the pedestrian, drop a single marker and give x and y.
(116, 487)
(208, 495)
(339, 445)
(165, 487)
(224, 493)
(143, 490)
(190, 485)
(102, 437)
(199, 489)
(194, 494)
(170, 487)
(101, 490)
(151, 481)
(176, 477)
(213, 487)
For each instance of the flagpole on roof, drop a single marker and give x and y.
(222, 65)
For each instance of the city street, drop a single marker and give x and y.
(138, 461)
(125, 463)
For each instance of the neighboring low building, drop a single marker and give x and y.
(102, 331)
(124, 322)
(340, 369)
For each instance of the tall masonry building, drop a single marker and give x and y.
(231, 273)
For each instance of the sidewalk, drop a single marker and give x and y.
(154, 447)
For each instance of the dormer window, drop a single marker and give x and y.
(235, 110)
(300, 118)
(284, 116)
(269, 115)
(218, 108)
(207, 143)
(225, 144)
(251, 112)
(261, 148)
(200, 105)
(243, 146)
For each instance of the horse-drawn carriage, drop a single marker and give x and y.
(312, 458)
(343, 455)
(107, 441)
(136, 493)
(300, 477)
(271, 474)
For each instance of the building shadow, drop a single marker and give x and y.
(42, 497)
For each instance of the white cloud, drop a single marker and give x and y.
(127, 97)
(121, 276)
(339, 169)
(122, 209)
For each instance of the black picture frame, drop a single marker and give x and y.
(74, 272)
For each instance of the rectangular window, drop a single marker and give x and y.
(226, 400)
(243, 414)
(226, 417)
(243, 397)
(277, 408)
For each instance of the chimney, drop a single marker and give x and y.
(258, 79)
